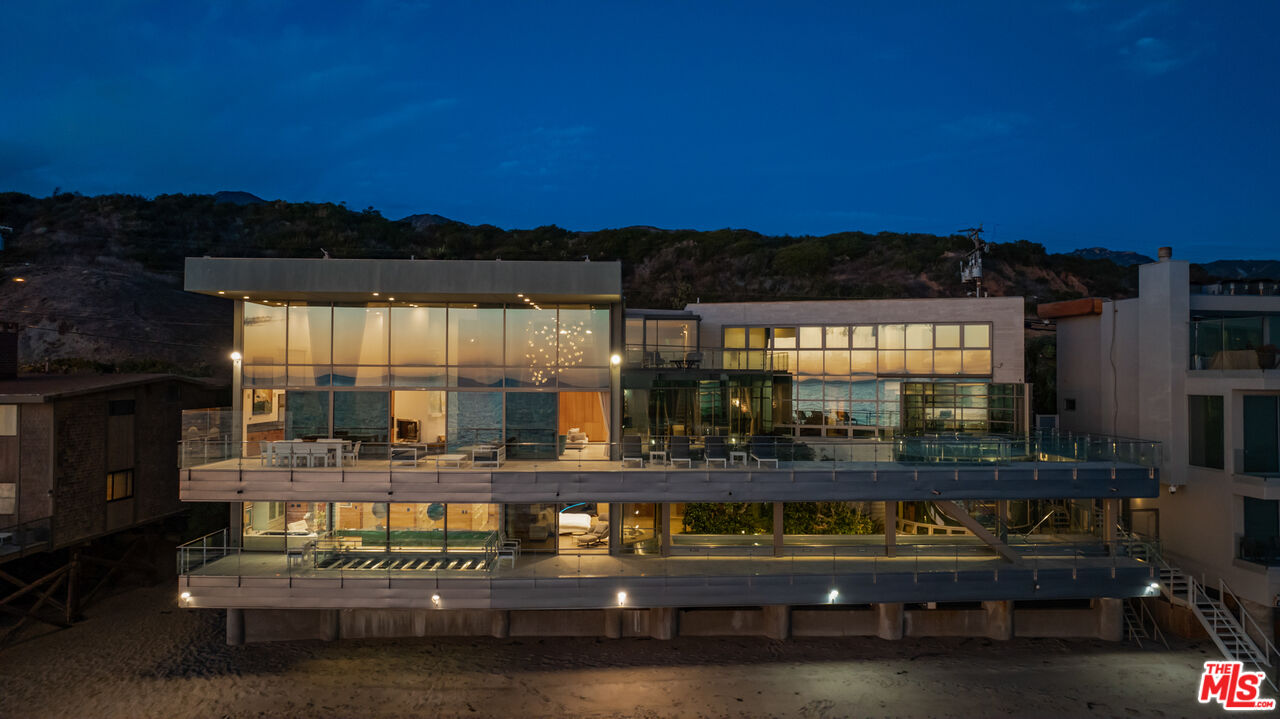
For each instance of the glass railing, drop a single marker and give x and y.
(666, 452)
(25, 538)
(1256, 287)
(970, 559)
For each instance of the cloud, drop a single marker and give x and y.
(1153, 56)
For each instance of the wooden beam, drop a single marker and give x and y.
(953, 510)
(29, 587)
(31, 613)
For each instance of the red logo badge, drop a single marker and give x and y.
(1231, 686)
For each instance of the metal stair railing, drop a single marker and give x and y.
(1145, 615)
(1226, 633)
(1268, 648)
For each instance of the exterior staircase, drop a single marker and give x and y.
(1227, 630)
(1139, 624)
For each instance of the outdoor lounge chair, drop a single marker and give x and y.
(678, 451)
(764, 449)
(716, 452)
(596, 536)
(632, 449)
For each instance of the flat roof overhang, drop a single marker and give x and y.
(406, 280)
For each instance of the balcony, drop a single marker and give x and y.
(215, 576)
(1235, 343)
(752, 469)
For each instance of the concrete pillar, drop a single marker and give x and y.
(613, 623)
(777, 621)
(235, 627)
(999, 619)
(333, 630)
(500, 623)
(889, 620)
(1110, 615)
(665, 546)
(890, 529)
(777, 529)
(1110, 518)
(662, 622)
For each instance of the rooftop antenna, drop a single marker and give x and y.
(971, 266)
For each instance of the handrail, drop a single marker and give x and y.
(1042, 521)
(1143, 615)
(1247, 620)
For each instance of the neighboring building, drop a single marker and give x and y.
(82, 456)
(432, 447)
(1194, 367)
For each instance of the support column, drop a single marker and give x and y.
(889, 620)
(73, 586)
(500, 623)
(665, 545)
(662, 622)
(1002, 518)
(891, 529)
(777, 621)
(333, 627)
(777, 529)
(1110, 615)
(999, 619)
(1110, 518)
(235, 627)
(613, 623)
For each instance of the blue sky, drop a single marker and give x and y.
(1122, 124)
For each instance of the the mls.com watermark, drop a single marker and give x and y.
(1230, 685)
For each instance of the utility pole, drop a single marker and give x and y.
(971, 266)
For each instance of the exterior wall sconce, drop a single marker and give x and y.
(615, 360)
(235, 356)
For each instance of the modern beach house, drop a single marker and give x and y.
(1194, 366)
(503, 448)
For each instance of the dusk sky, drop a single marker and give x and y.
(1074, 124)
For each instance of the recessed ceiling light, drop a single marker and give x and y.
(391, 299)
(246, 297)
(221, 292)
(519, 295)
(375, 294)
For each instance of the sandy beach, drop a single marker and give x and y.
(138, 655)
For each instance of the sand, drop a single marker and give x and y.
(138, 655)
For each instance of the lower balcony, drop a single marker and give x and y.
(489, 577)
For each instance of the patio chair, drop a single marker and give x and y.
(353, 453)
(632, 449)
(266, 453)
(716, 452)
(764, 449)
(596, 536)
(693, 360)
(678, 451)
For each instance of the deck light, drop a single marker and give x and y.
(615, 360)
(622, 598)
(435, 599)
(832, 596)
(235, 356)
(222, 292)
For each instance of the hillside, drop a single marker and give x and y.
(103, 274)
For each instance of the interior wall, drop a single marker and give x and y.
(425, 406)
(586, 411)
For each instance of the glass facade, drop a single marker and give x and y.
(443, 376)
(1235, 342)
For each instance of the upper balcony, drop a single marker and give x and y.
(662, 469)
(1235, 343)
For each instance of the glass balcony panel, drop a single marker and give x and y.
(360, 334)
(264, 333)
(946, 336)
(863, 336)
(418, 335)
(310, 334)
(977, 336)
